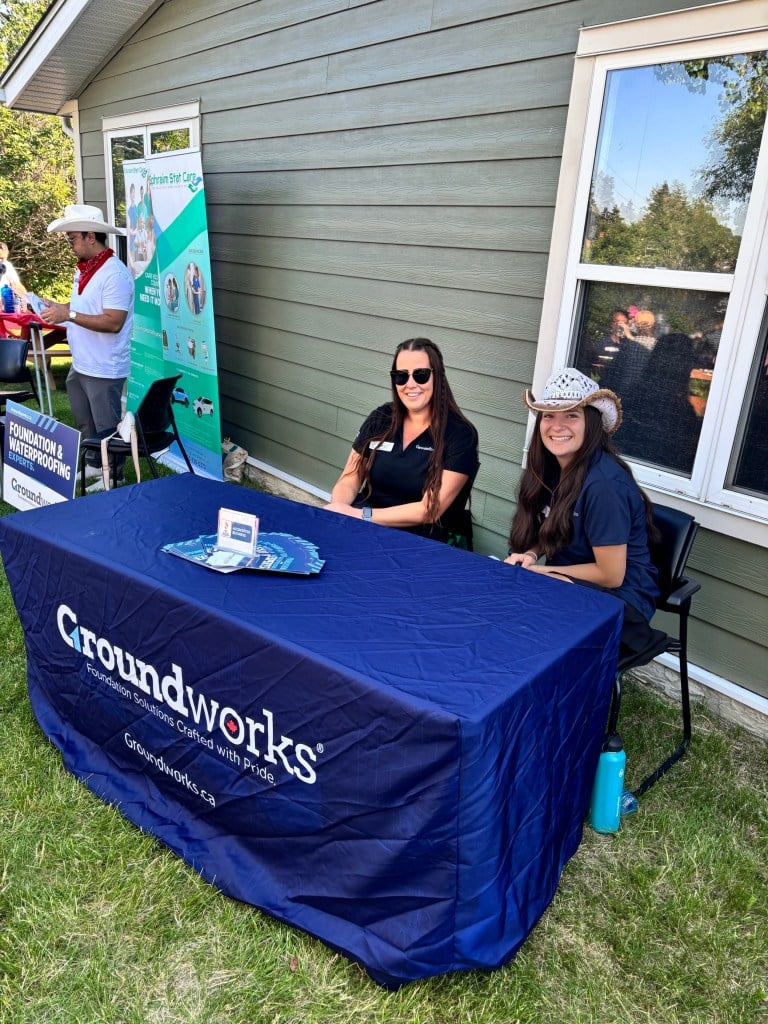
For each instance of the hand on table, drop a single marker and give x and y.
(527, 559)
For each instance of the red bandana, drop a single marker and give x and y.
(89, 267)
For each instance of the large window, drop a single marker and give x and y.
(133, 136)
(657, 282)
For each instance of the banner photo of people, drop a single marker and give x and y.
(173, 311)
(147, 355)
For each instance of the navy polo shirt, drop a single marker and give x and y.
(610, 511)
(398, 476)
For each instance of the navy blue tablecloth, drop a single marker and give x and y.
(395, 755)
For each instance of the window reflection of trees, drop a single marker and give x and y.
(675, 232)
(736, 139)
(169, 141)
(695, 226)
(685, 226)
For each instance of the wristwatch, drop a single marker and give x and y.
(367, 513)
(73, 314)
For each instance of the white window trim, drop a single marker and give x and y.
(147, 122)
(733, 26)
(138, 118)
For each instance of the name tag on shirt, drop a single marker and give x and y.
(381, 446)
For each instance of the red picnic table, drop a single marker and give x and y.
(42, 336)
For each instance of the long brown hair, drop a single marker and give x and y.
(534, 493)
(441, 405)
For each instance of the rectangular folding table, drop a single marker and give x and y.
(395, 755)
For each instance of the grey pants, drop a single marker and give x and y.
(96, 404)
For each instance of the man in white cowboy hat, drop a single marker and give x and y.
(99, 319)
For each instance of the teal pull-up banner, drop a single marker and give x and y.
(173, 315)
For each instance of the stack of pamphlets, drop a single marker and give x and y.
(239, 545)
(274, 552)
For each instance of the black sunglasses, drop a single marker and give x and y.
(400, 377)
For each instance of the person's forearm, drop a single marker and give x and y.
(110, 321)
(589, 571)
(104, 323)
(345, 490)
(399, 516)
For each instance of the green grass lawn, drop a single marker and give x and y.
(665, 922)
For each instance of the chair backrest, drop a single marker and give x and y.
(13, 361)
(677, 531)
(155, 413)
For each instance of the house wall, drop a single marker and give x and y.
(375, 171)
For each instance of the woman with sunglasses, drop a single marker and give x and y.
(414, 459)
(579, 505)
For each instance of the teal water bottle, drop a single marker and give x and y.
(605, 806)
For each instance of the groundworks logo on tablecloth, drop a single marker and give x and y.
(257, 736)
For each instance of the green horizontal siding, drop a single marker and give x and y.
(376, 170)
(519, 229)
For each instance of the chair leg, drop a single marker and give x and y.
(182, 449)
(653, 778)
(613, 717)
(679, 647)
(186, 457)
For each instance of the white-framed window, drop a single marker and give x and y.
(657, 282)
(136, 135)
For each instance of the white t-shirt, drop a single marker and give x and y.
(97, 353)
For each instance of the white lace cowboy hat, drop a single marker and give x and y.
(571, 389)
(84, 218)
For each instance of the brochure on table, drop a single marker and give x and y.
(239, 545)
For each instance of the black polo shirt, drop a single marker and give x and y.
(398, 476)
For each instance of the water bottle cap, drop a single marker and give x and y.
(613, 743)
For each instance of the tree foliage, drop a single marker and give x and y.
(735, 140)
(675, 231)
(684, 228)
(36, 172)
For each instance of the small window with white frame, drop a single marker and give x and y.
(136, 135)
(657, 281)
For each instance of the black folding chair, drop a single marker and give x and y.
(677, 531)
(155, 427)
(14, 370)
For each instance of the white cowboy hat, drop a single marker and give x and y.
(84, 218)
(571, 389)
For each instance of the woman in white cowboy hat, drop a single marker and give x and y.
(579, 505)
(99, 319)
